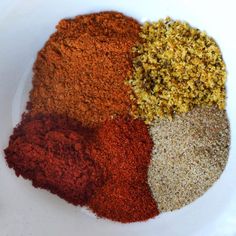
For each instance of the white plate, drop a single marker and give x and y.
(24, 27)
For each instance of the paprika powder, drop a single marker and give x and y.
(50, 150)
(123, 147)
(81, 71)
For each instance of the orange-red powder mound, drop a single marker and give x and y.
(123, 148)
(81, 70)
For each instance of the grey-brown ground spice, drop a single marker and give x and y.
(189, 155)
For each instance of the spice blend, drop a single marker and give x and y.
(84, 135)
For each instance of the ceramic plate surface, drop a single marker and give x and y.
(25, 25)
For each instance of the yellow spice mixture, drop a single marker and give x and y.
(176, 67)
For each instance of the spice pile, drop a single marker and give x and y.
(50, 150)
(82, 68)
(104, 168)
(189, 155)
(97, 141)
(124, 148)
(176, 68)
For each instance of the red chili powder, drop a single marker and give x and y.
(123, 147)
(50, 151)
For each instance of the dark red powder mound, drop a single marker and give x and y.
(50, 150)
(105, 168)
(124, 148)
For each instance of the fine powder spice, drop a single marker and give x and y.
(82, 68)
(50, 151)
(189, 155)
(176, 68)
(124, 148)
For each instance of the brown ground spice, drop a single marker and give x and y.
(82, 68)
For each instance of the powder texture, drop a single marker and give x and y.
(189, 155)
(50, 151)
(176, 68)
(81, 70)
(123, 148)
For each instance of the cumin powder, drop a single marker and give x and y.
(189, 155)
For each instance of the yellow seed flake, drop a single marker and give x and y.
(176, 68)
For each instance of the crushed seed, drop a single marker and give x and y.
(189, 155)
(176, 68)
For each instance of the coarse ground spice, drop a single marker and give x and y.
(123, 148)
(176, 68)
(50, 151)
(82, 68)
(189, 155)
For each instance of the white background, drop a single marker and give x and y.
(24, 27)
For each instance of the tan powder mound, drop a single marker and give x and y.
(81, 70)
(189, 155)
